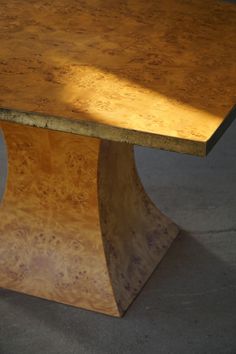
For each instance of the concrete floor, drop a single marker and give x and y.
(189, 304)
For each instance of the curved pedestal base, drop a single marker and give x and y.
(75, 223)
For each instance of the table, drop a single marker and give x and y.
(81, 83)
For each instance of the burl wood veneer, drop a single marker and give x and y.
(158, 73)
(75, 223)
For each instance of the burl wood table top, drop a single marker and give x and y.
(155, 73)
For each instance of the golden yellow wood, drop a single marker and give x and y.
(155, 73)
(75, 223)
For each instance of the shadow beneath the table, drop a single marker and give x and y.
(189, 272)
(192, 290)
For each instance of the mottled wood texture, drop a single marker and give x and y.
(136, 234)
(75, 223)
(155, 73)
(3, 166)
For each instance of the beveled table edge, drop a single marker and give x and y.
(106, 132)
(221, 129)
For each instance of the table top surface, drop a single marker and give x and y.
(155, 73)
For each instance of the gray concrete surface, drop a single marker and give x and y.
(189, 304)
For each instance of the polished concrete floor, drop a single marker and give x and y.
(189, 304)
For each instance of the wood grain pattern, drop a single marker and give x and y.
(51, 243)
(75, 224)
(155, 73)
(136, 234)
(3, 166)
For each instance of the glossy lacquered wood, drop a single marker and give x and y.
(75, 223)
(155, 73)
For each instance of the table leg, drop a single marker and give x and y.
(75, 223)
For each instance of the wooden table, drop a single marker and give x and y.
(81, 83)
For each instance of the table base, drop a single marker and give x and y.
(76, 225)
